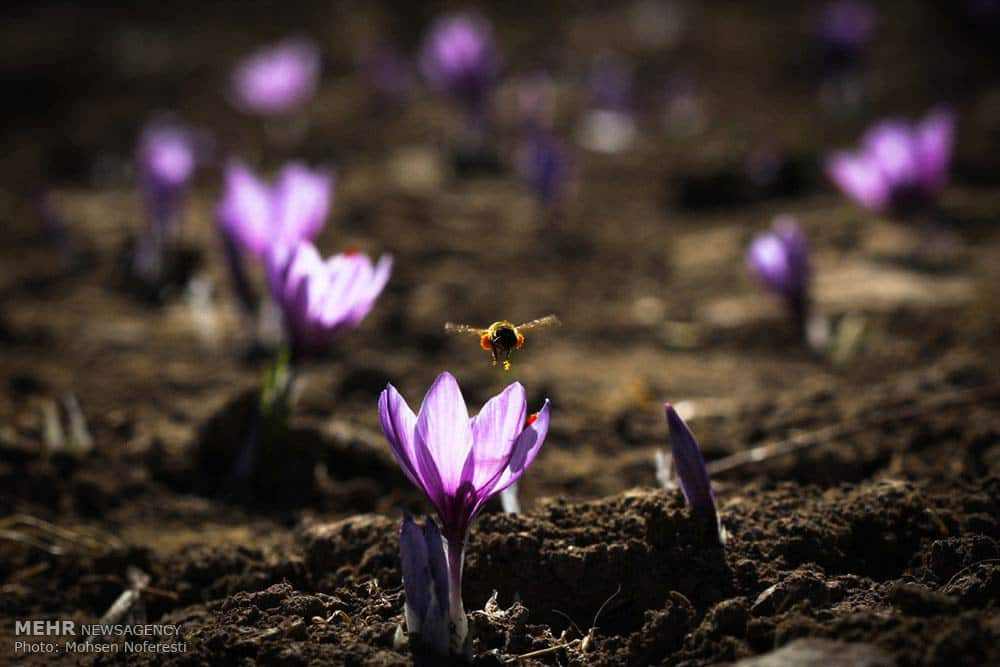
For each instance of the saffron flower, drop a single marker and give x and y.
(262, 219)
(320, 300)
(544, 166)
(779, 260)
(691, 473)
(425, 581)
(166, 156)
(460, 463)
(900, 168)
(459, 57)
(277, 79)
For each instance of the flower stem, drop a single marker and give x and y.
(459, 623)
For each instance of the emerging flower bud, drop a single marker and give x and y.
(900, 168)
(425, 580)
(691, 473)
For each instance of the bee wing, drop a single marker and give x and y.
(452, 328)
(547, 321)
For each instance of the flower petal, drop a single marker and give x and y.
(444, 436)
(398, 424)
(935, 136)
(301, 203)
(245, 209)
(860, 179)
(528, 444)
(891, 146)
(363, 304)
(494, 432)
(416, 572)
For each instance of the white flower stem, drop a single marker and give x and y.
(459, 623)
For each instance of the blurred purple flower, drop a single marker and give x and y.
(425, 581)
(166, 157)
(320, 300)
(847, 25)
(536, 101)
(263, 219)
(544, 165)
(459, 57)
(691, 472)
(611, 83)
(779, 260)
(460, 463)
(899, 168)
(277, 79)
(387, 72)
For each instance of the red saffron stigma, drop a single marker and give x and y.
(531, 419)
(351, 251)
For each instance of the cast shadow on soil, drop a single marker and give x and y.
(305, 467)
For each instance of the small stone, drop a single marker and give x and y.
(814, 652)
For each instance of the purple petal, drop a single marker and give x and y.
(768, 261)
(860, 179)
(415, 569)
(438, 569)
(301, 203)
(398, 424)
(494, 432)
(245, 209)
(167, 156)
(376, 283)
(891, 145)
(528, 444)
(690, 466)
(935, 136)
(444, 436)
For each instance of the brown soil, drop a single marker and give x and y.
(883, 535)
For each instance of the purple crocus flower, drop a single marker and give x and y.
(544, 166)
(166, 156)
(262, 219)
(425, 581)
(320, 300)
(779, 260)
(899, 168)
(459, 57)
(277, 79)
(460, 463)
(691, 473)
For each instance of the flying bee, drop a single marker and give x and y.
(501, 337)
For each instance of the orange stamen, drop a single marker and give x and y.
(520, 342)
(484, 342)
